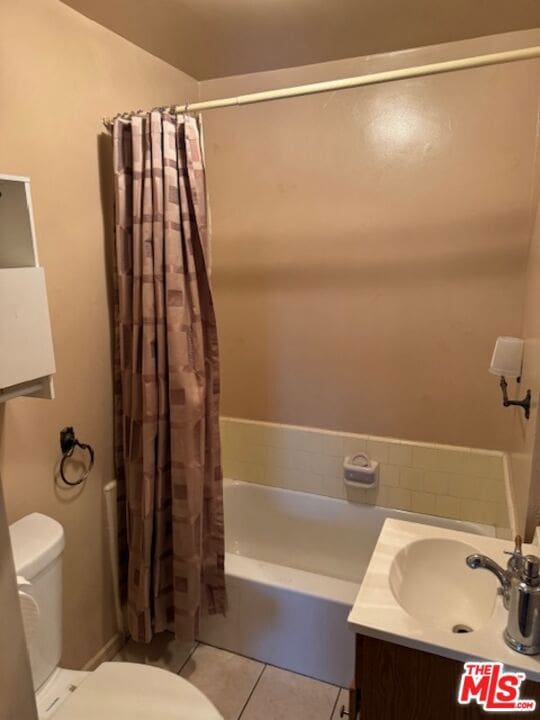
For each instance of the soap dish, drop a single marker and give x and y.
(360, 471)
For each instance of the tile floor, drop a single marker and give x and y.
(239, 687)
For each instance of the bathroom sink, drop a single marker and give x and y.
(419, 593)
(432, 583)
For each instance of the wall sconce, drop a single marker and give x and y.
(506, 362)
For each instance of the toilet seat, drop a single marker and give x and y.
(129, 691)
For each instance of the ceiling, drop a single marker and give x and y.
(217, 38)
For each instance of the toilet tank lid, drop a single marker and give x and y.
(36, 541)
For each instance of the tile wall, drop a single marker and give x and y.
(454, 482)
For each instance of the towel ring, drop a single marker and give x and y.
(68, 443)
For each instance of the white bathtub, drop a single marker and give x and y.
(294, 563)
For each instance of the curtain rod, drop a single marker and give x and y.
(359, 81)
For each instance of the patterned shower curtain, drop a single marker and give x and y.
(166, 379)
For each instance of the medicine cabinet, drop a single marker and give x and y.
(26, 349)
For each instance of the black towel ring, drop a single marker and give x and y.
(68, 443)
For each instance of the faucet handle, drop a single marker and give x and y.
(515, 562)
(517, 546)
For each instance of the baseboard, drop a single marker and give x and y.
(107, 652)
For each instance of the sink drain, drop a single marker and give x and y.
(459, 629)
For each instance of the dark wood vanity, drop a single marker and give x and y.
(393, 682)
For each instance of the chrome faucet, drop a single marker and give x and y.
(520, 587)
(523, 629)
(505, 577)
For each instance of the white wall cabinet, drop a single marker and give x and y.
(26, 349)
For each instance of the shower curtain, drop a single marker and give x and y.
(167, 448)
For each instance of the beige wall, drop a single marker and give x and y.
(371, 244)
(60, 73)
(16, 692)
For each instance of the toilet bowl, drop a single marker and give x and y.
(116, 690)
(129, 691)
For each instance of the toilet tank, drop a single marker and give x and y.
(37, 542)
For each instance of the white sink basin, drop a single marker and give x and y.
(431, 582)
(417, 588)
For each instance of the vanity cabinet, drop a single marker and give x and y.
(26, 350)
(393, 682)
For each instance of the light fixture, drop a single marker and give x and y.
(506, 362)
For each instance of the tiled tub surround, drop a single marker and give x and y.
(442, 480)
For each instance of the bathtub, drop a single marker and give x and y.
(294, 562)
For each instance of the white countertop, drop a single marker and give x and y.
(377, 613)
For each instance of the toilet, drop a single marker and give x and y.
(116, 690)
